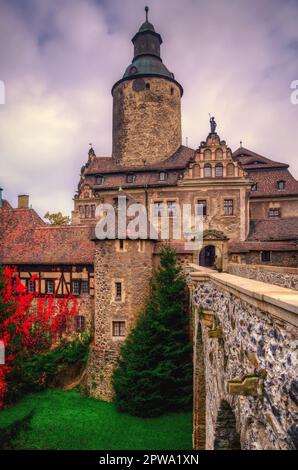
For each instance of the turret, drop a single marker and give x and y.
(146, 105)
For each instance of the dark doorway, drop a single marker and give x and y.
(207, 256)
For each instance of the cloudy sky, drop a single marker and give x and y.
(59, 59)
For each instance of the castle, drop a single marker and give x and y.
(249, 203)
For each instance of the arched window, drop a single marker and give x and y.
(230, 169)
(196, 171)
(207, 154)
(207, 171)
(219, 170)
(218, 154)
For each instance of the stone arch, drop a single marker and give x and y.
(226, 435)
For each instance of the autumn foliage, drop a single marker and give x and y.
(30, 325)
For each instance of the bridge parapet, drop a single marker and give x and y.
(245, 362)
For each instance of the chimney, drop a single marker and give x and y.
(23, 201)
(1, 200)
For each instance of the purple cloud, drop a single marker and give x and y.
(59, 60)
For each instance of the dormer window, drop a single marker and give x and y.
(130, 178)
(281, 185)
(162, 176)
(100, 180)
(254, 187)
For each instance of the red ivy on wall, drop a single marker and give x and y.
(29, 324)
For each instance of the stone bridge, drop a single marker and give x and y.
(245, 362)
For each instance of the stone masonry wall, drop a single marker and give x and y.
(285, 277)
(133, 268)
(255, 344)
(146, 121)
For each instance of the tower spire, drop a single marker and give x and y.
(146, 10)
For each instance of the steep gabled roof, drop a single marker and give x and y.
(105, 165)
(251, 160)
(26, 239)
(275, 229)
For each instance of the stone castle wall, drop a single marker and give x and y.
(146, 120)
(132, 267)
(280, 276)
(244, 336)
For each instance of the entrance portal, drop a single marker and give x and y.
(207, 256)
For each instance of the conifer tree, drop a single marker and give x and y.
(154, 373)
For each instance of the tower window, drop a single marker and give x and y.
(79, 322)
(207, 171)
(172, 90)
(121, 245)
(218, 171)
(118, 291)
(274, 212)
(228, 207)
(118, 328)
(281, 185)
(203, 204)
(147, 86)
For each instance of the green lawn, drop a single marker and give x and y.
(66, 420)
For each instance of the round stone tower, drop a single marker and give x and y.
(146, 105)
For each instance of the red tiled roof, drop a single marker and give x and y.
(249, 159)
(244, 247)
(273, 229)
(179, 160)
(26, 239)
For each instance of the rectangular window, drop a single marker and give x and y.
(171, 205)
(81, 210)
(93, 211)
(202, 202)
(84, 287)
(87, 211)
(50, 286)
(118, 291)
(228, 207)
(118, 328)
(130, 178)
(158, 209)
(274, 212)
(76, 287)
(79, 322)
(266, 256)
(30, 286)
(121, 245)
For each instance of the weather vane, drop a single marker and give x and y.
(146, 10)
